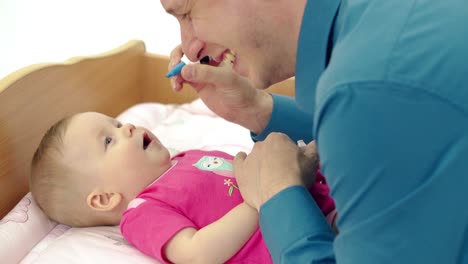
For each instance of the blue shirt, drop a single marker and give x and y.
(382, 86)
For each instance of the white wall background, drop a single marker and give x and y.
(36, 31)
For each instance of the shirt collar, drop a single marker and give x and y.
(314, 37)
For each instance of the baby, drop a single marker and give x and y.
(91, 170)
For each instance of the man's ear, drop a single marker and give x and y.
(103, 201)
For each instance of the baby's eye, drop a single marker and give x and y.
(107, 141)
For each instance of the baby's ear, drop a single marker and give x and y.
(103, 201)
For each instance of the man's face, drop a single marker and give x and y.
(211, 27)
(120, 157)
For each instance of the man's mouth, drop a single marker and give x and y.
(227, 58)
(146, 140)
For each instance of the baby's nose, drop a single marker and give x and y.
(128, 129)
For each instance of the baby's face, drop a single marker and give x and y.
(122, 158)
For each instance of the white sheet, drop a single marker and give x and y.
(27, 236)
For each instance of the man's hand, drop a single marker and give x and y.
(308, 163)
(226, 93)
(273, 165)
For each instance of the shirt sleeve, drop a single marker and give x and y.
(287, 117)
(151, 225)
(294, 228)
(394, 159)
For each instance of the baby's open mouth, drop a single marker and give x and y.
(146, 141)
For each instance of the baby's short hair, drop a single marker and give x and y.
(53, 183)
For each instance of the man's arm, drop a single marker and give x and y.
(300, 234)
(286, 117)
(394, 159)
(214, 243)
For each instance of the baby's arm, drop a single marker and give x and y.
(216, 242)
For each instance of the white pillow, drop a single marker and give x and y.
(103, 244)
(22, 228)
(27, 231)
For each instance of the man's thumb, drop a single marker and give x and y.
(240, 157)
(207, 74)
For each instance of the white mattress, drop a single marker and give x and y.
(28, 236)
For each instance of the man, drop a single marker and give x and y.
(381, 86)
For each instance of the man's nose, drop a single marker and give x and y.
(128, 129)
(193, 50)
(191, 45)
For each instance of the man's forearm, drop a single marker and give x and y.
(257, 117)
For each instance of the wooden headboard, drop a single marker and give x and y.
(35, 97)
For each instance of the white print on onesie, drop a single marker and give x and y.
(216, 165)
(219, 166)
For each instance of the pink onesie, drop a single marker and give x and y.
(196, 191)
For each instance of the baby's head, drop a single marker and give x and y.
(89, 166)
